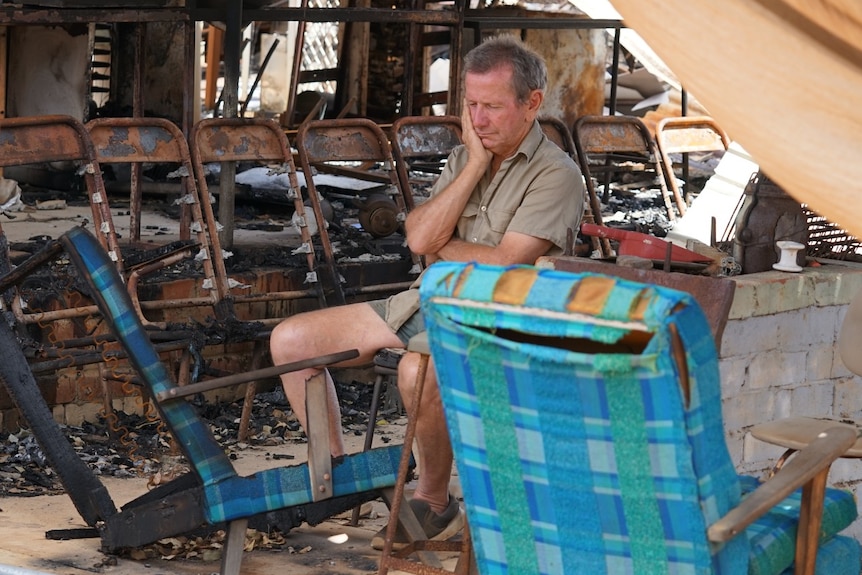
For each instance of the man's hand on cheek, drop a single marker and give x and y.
(471, 139)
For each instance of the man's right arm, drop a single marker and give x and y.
(431, 225)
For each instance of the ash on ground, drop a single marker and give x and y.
(135, 446)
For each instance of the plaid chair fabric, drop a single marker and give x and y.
(578, 450)
(227, 495)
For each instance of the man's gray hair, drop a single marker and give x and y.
(529, 71)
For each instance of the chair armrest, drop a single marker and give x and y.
(799, 471)
(263, 373)
(797, 432)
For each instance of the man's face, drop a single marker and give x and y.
(499, 118)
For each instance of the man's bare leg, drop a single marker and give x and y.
(321, 332)
(432, 437)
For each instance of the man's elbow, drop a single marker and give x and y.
(421, 246)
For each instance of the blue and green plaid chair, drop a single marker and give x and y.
(585, 416)
(227, 497)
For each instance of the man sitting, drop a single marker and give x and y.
(506, 196)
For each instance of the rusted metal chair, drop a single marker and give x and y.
(156, 141)
(263, 142)
(684, 135)
(65, 341)
(358, 149)
(613, 147)
(420, 145)
(557, 131)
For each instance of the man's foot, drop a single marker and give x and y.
(437, 527)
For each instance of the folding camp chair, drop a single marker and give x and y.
(215, 493)
(585, 416)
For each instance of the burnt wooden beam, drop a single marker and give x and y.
(18, 15)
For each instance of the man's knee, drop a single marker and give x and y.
(288, 334)
(408, 371)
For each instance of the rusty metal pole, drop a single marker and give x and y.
(191, 103)
(227, 178)
(299, 44)
(135, 200)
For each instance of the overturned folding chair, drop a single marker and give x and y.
(585, 417)
(213, 493)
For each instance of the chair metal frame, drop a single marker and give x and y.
(422, 144)
(611, 139)
(557, 131)
(683, 135)
(357, 148)
(136, 141)
(252, 140)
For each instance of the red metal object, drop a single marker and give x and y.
(644, 245)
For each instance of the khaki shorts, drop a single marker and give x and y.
(401, 314)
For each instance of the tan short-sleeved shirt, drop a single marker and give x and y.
(539, 191)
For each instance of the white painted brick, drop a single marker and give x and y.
(829, 291)
(824, 324)
(819, 363)
(794, 293)
(802, 329)
(844, 472)
(839, 370)
(813, 399)
(753, 335)
(777, 369)
(735, 447)
(848, 399)
(791, 330)
(782, 406)
(759, 469)
(741, 411)
(734, 375)
(855, 487)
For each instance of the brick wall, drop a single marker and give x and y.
(779, 357)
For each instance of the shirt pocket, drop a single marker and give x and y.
(467, 219)
(498, 222)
